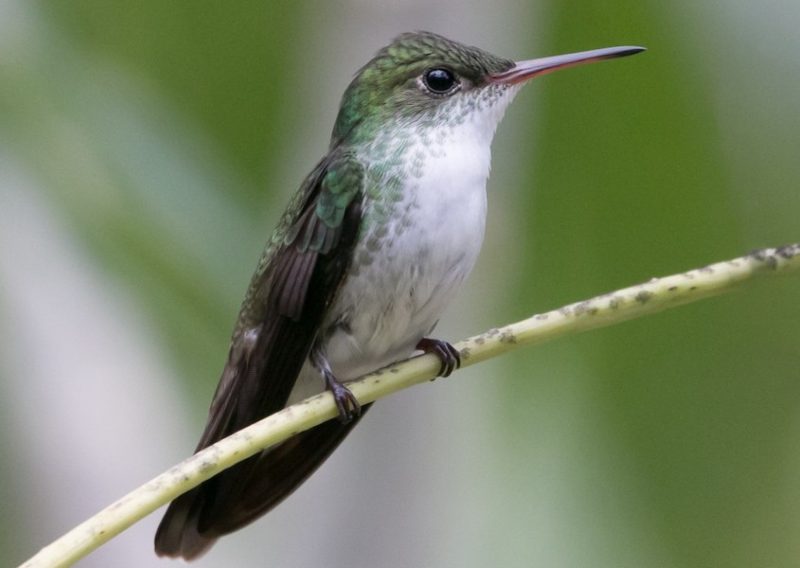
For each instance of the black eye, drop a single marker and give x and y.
(439, 81)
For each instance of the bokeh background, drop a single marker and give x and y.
(146, 150)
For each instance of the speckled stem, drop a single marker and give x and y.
(652, 296)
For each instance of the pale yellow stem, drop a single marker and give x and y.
(652, 296)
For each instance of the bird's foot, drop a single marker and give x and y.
(447, 354)
(348, 406)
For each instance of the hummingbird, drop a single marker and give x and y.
(372, 247)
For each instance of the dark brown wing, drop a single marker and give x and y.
(280, 318)
(281, 470)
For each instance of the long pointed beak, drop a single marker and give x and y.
(524, 70)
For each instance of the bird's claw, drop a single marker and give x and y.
(447, 354)
(348, 405)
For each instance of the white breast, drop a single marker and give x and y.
(433, 242)
(424, 223)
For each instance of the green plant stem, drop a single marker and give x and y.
(652, 296)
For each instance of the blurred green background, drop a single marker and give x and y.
(146, 150)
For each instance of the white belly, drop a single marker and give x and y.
(417, 267)
(396, 298)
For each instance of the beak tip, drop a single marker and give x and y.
(634, 49)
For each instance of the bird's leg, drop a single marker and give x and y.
(447, 354)
(347, 404)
